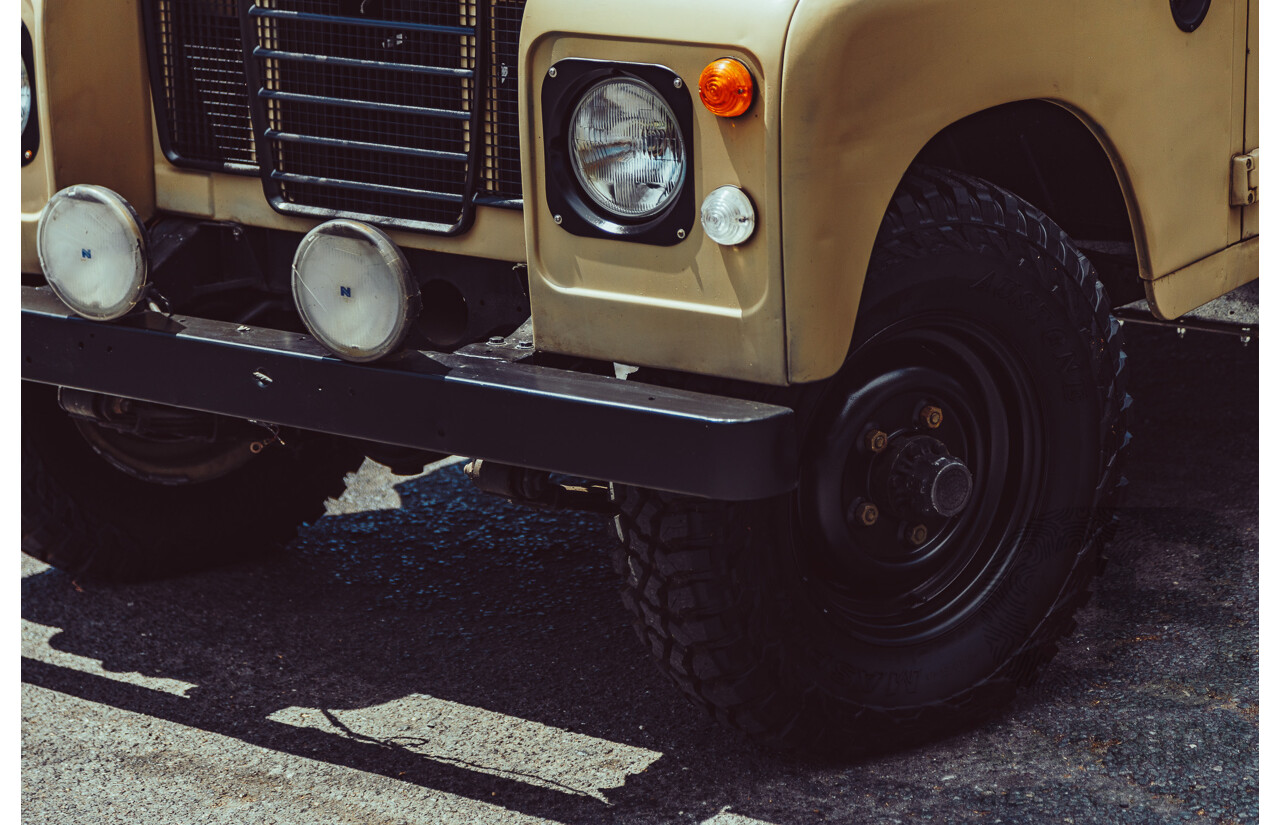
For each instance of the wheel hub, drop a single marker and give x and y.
(918, 469)
(917, 478)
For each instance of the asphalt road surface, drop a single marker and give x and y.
(425, 654)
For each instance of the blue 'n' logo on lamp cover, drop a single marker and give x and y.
(345, 291)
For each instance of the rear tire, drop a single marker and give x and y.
(83, 514)
(796, 623)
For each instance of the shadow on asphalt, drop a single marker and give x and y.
(457, 604)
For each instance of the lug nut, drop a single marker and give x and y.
(931, 417)
(877, 440)
(863, 513)
(918, 535)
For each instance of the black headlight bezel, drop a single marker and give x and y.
(30, 135)
(562, 88)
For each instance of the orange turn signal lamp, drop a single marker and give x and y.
(725, 87)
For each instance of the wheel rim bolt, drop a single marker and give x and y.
(918, 535)
(931, 416)
(877, 441)
(864, 513)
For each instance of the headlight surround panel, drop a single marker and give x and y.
(563, 87)
(31, 134)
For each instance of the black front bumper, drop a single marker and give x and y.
(548, 419)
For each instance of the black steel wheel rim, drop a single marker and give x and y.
(873, 580)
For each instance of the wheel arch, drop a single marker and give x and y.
(866, 85)
(1056, 158)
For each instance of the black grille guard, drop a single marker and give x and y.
(557, 420)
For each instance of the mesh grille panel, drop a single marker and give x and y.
(370, 107)
(501, 173)
(200, 63)
(369, 114)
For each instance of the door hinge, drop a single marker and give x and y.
(1244, 179)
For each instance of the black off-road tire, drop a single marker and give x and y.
(87, 517)
(728, 596)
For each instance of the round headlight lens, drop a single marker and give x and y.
(26, 97)
(354, 289)
(93, 251)
(626, 148)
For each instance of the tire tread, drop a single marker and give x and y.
(672, 546)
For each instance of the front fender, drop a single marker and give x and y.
(867, 83)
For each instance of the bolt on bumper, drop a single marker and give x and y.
(549, 419)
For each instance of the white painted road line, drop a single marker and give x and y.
(372, 487)
(725, 817)
(485, 741)
(157, 771)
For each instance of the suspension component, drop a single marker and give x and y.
(538, 488)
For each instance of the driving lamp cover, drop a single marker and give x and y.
(354, 289)
(93, 251)
(626, 148)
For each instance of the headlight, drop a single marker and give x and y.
(25, 95)
(30, 125)
(626, 148)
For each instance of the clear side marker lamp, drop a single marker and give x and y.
(728, 217)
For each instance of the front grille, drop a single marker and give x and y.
(368, 116)
(501, 173)
(402, 112)
(197, 66)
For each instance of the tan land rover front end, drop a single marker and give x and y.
(821, 299)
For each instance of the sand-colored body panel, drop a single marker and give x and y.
(497, 233)
(867, 83)
(36, 177)
(694, 306)
(1196, 284)
(1249, 214)
(93, 104)
(848, 92)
